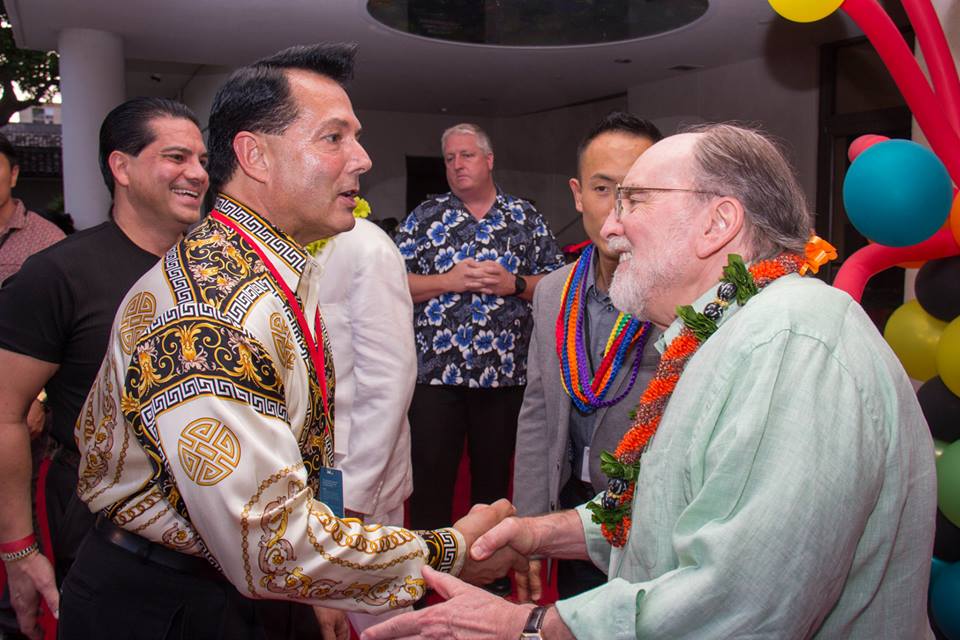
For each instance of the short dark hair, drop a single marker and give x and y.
(257, 98)
(7, 149)
(619, 122)
(127, 128)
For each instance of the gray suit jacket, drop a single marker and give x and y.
(541, 467)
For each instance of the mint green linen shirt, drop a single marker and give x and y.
(790, 491)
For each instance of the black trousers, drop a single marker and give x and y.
(441, 417)
(69, 517)
(112, 593)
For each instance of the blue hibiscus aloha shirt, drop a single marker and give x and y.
(472, 339)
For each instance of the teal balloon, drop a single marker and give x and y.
(897, 193)
(948, 483)
(944, 596)
(936, 566)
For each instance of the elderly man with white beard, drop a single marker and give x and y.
(778, 480)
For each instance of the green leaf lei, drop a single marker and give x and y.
(736, 283)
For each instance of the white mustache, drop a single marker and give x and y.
(621, 245)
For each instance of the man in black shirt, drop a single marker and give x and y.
(55, 319)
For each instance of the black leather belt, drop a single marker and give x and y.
(153, 552)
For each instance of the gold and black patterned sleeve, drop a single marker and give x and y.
(445, 548)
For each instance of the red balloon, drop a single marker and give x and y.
(896, 55)
(874, 258)
(863, 143)
(936, 55)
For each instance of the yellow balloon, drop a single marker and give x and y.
(948, 356)
(914, 336)
(805, 10)
(938, 448)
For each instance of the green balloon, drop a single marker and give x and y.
(948, 482)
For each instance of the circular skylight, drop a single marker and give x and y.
(545, 23)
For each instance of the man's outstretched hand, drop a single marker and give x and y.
(498, 562)
(469, 612)
(529, 584)
(510, 533)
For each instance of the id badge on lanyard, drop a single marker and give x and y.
(331, 480)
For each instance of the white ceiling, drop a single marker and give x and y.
(178, 39)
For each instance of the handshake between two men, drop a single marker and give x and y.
(497, 542)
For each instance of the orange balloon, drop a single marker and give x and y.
(954, 219)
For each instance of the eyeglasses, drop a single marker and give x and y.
(626, 206)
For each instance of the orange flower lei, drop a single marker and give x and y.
(738, 283)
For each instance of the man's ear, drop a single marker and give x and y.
(119, 164)
(721, 225)
(490, 162)
(14, 175)
(577, 190)
(253, 155)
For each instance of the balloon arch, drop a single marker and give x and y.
(901, 196)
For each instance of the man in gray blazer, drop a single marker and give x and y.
(567, 419)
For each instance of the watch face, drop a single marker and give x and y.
(534, 623)
(520, 284)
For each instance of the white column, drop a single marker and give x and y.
(91, 83)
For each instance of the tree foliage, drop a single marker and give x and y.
(35, 73)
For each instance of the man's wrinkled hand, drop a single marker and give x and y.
(333, 623)
(30, 579)
(482, 518)
(513, 533)
(498, 563)
(468, 612)
(496, 566)
(529, 584)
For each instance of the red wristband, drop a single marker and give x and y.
(17, 545)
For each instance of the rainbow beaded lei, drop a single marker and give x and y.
(738, 283)
(588, 392)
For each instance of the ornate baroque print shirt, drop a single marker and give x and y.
(472, 339)
(205, 430)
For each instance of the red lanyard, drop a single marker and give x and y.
(314, 347)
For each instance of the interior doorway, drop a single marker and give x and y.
(857, 97)
(426, 177)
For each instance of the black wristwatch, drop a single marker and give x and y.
(519, 285)
(531, 630)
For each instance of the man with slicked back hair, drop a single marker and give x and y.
(55, 319)
(207, 440)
